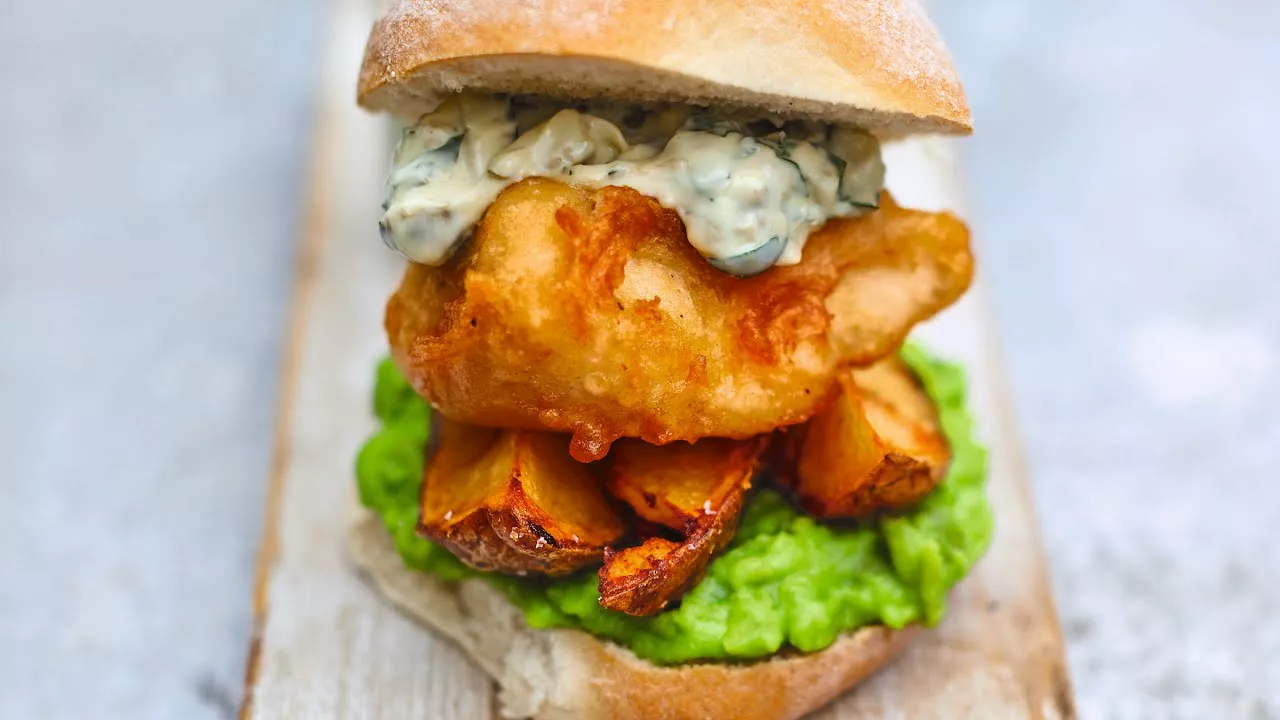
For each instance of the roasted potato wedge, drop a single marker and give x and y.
(696, 490)
(643, 580)
(676, 485)
(877, 447)
(514, 501)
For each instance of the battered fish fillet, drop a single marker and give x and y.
(588, 312)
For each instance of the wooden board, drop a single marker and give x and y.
(324, 646)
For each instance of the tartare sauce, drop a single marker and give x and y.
(748, 190)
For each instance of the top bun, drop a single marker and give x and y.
(875, 64)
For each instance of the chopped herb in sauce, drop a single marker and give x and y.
(749, 190)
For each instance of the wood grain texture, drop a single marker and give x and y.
(325, 646)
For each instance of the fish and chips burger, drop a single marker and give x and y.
(652, 443)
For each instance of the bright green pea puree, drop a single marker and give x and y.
(785, 580)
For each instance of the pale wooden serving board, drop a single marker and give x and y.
(324, 646)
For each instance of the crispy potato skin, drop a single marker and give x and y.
(697, 490)
(513, 501)
(878, 447)
(643, 580)
(588, 312)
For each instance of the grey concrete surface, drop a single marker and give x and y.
(1123, 179)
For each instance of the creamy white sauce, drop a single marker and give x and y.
(441, 184)
(749, 191)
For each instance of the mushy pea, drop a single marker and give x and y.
(785, 580)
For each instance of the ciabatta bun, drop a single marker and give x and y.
(566, 674)
(877, 64)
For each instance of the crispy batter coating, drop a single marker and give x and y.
(588, 312)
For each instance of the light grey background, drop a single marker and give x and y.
(150, 164)
(151, 159)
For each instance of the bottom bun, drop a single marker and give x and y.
(562, 674)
